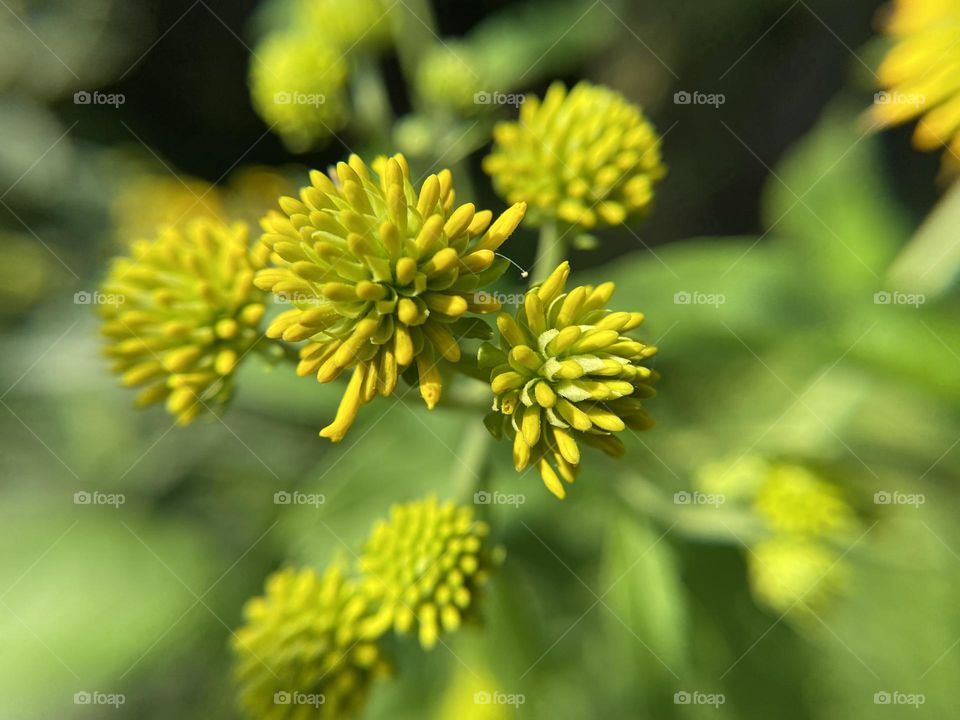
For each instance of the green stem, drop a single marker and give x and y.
(414, 31)
(551, 251)
(370, 101)
(470, 470)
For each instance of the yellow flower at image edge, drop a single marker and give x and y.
(423, 569)
(381, 277)
(300, 653)
(296, 84)
(586, 157)
(920, 71)
(565, 373)
(179, 313)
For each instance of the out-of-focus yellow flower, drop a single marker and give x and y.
(26, 273)
(920, 73)
(449, 76)
(587, 157)
(794, 500)
(473, 695)
(566, 372)
(349, 25)
(790, 573)
(381, 276)
(300, 653)
(797, 566)
(424, 568)
(149, 202)
(181, 311)
(297, 84)
(253, 190)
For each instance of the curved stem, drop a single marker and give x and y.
(551, 251)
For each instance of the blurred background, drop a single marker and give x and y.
(797, 274)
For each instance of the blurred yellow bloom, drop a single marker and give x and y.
(566, 372)
(26, 273)
(297, 85)
(180, 312)
(381, 276)
(587, 157)
(253, 190)
(424, 568)
(145, 203)
(350, 25)
(920, 73)
(470, 696)
(448, 76)
(797, 565)
(300, 654)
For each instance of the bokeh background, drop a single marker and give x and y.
(779, 202)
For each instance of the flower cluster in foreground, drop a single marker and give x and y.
(311, 645)
(796, 566)
(586, 157)
(181, 311)
(566, 373)
(382, 277)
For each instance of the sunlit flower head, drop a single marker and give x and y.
(424, 568)
(566, 373)
(297, 85)
(792, 499)
(381, 277)
(919, 73)
(300, 654)
(587, 157)
(180, 312)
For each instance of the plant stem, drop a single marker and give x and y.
(370, 101)
(414, 31)
(470, 470)
(551, 251)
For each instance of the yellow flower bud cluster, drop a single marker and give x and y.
(586, 157)
(565, 372)
(181, 311)
(382, 277)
